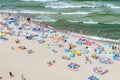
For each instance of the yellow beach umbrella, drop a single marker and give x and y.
(77, 53)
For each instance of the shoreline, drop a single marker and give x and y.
(96, 38)
(100, 39)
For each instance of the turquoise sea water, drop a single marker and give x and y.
(95, 17)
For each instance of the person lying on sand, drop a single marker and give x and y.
(21, 47)
(17, 41)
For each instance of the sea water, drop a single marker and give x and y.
(99, 18)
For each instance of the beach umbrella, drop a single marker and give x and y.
(77, 53)
(42, 37)
(7, 25)
(98, 51)
(116, 57)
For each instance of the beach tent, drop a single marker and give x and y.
(98, 51)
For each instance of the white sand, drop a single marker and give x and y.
(34, 66)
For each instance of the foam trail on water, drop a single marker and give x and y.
(73, 21)
(37, 12)
(28, 11)
(9, 11)
(90, 22)
(70, 13)
(68, 5)
(112, 6)
(47, 20)
(113, 22)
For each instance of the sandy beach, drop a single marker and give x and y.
(47, 54)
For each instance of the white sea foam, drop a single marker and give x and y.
(95, 37)
(113, 22)
(113, 6)
(73, 21)
(38, 0)
(45, 20)
(37, 12)
(9, 11)
(70, 13)
(29, 12)
(70, 6)
(90, 22)
(67, 5)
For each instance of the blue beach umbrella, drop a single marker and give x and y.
(115, 57)
(72, 55)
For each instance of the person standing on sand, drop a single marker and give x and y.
(28, 20)
(22, 77)
(81, 31)
(11, 74)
